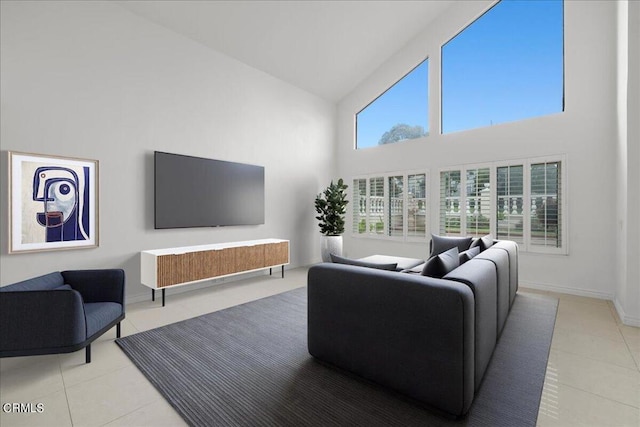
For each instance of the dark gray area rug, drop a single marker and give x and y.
(248, 366)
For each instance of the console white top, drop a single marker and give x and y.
(210, 247)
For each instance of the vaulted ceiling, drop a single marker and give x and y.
(324, 47)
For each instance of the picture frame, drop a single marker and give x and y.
(53, 202)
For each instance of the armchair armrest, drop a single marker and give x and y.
(34, 320)
(97, 285)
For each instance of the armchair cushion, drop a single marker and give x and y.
(100, 314)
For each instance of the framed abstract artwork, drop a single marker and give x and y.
(53, 203)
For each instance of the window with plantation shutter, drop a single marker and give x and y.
(417, 205)
(520, 200)
(376, 213)
(359, 201)
(390, 206)
(396, 206)
(545, 209)
(510, 203)
(478, 202)
(450, 209)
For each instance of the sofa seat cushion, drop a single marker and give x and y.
(359, 263)
(42, 283)
(402, 263)
(100, 314)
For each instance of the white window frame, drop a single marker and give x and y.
(405, 204)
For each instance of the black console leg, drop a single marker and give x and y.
(87, 356)
(283, 271)
(118, 330)
(153, 294)
(270, 271)
(163, 297)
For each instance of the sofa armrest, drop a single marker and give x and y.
(481, 277)
(97, 285)
(32, 320)
(411, 333)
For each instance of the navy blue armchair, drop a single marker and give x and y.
(60, 312)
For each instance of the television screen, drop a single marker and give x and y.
(197, 192)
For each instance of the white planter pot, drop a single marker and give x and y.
(330, 245)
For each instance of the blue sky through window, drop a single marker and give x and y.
(406, 103)
(507, 65)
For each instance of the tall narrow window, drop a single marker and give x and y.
(359, 206)
(399, 114)
(507, 65)
(510, 203)
(546, 205)
(450, 209)
(396, 206)
(417, 205)
(376, 206)
(478, 202)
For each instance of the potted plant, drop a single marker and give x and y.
(331, 206)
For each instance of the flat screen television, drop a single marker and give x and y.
(198, 192)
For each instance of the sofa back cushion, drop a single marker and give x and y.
(440, 244)
(468, 254)
(484, 242)
(42, 283)
(442, 264)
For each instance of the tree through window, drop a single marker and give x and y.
(399, 114)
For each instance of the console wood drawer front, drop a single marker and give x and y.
(276, 254)
(188, 267)
(249, 257)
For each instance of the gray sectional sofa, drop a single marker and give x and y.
(426, 337)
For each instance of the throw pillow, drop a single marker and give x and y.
(468, 254)
(484, 242)
(341, 260)
(63, 288)
(440, 244)
(439, 265)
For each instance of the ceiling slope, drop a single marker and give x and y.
(324, 47)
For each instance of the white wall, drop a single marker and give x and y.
(585, 132)
(92, 80)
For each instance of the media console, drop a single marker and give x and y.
(165, 268)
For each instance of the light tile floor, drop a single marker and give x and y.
(593, 375)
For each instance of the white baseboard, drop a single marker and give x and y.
(626, 319)
(567, 290)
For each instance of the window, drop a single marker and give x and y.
(417, 205)
(478, 203)
(507, 65)
(450, 210)
(399, 114)
(396, 206)
(391, 206)
(546, 221)
(510, 203)
(465, 213)
(527, 206)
